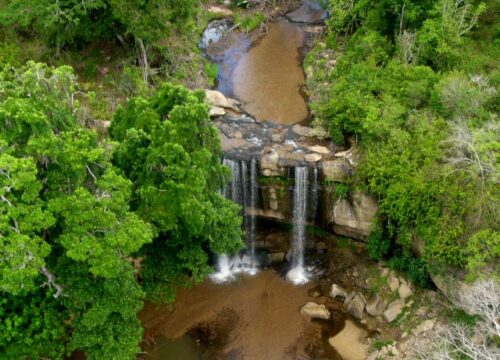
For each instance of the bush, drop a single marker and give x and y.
(379, 243)
(414, 268)
(342, 190)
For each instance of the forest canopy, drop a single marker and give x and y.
(77, 208)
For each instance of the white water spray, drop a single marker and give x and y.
(243, 192)
(298, 274)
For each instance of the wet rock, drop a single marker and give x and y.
(314, 292)
(301, 130)
(228, 144)
(276, 258)
(393, 282)
(319, 149)
(216, 98)
(356, 306)
(354, 217)
(375, 306)
(337, 290)
(216, 111)
(287, 158)
(424, 327)
(315, 311)
(312, 157)
(277, 137)
(404, 291)
(269, 163)
(214, 32)
(393, 310)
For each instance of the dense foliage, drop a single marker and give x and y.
(177, 175)
(67, 235)
(75, 22)
(416, 86)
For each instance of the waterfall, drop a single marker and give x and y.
(243, 192)
(314, 197)
(297, 273)
(252, 219)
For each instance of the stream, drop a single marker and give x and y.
(249, 308)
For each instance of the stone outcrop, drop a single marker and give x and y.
(315, 311)
(354, 217)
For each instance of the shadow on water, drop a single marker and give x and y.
(184, 347)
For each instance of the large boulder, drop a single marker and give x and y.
(393, 310)
(375, 306)
(315, 311)
(354, 217)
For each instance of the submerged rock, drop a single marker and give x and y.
(315, 311)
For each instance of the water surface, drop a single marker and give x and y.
(266, 76)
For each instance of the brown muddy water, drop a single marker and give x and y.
(267, 75)
(255, 317)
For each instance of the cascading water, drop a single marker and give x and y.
(314, 196)
(243, 192)
(298, 274)
(252, 219)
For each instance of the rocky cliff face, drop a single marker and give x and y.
(278, 149)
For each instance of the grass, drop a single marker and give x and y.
(378, 344)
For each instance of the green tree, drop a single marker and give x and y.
(171, 152)
(66, 230)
